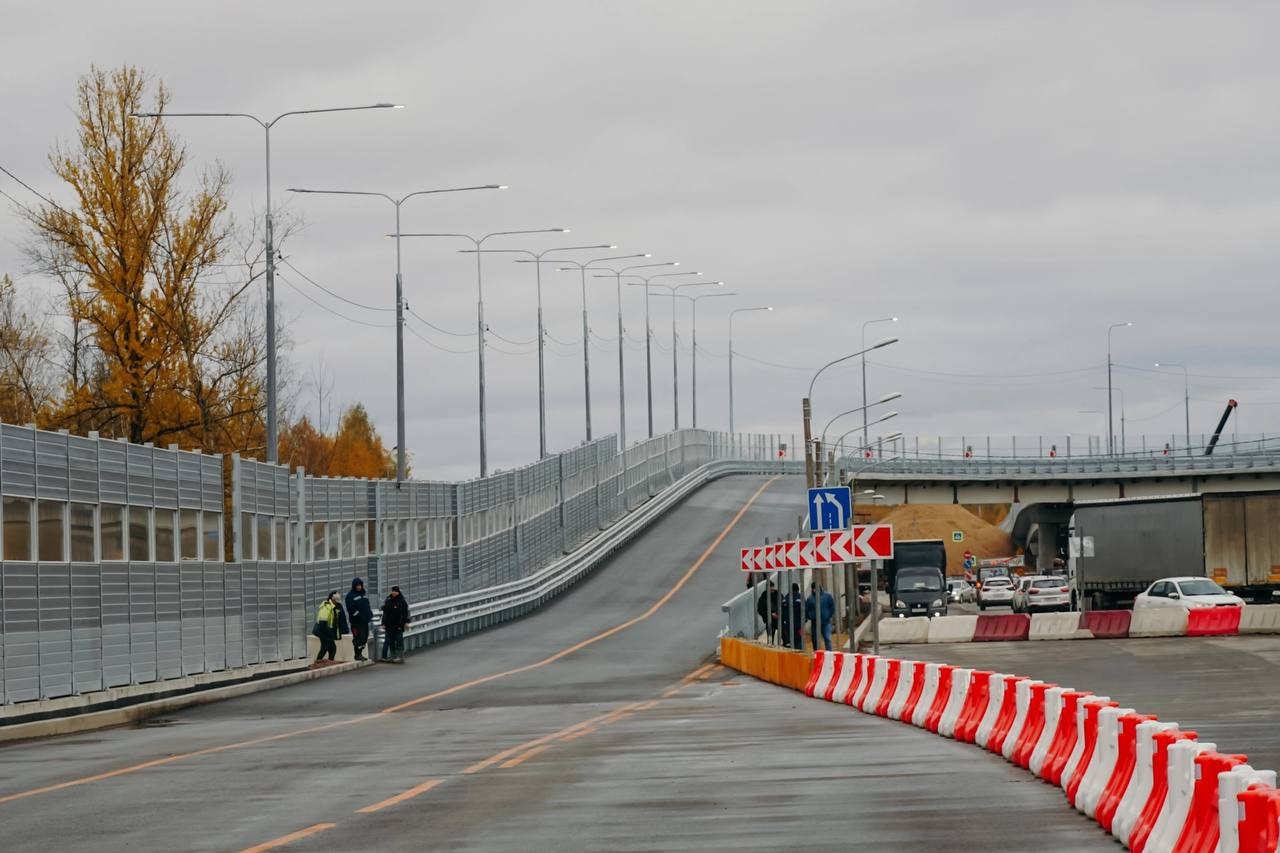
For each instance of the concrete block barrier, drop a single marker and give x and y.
(1260, 619)
(1158, 622)
(1148, 783)
(952, 629)
(1107, 624)
(1053, 626)
(1213, 622)
(345, 651)
(997, 627)
(913, 629)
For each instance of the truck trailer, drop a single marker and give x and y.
(1234, 539)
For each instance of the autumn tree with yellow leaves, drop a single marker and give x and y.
(160, 343)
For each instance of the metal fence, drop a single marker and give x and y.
(129, 564)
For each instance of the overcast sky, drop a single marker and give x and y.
(1008, 178)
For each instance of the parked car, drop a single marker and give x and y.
(961, 591)
(1040, 593)
(995, 592)
(1186, 592)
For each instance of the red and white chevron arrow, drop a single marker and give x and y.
(841, 545)
(805, 557)
(872, 541)
(791, 552)
(748, 563)
(821, 548)
(758, 558)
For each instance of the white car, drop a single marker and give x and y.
(960, 590)
(1041, 592)
(1186, 592)
(995, 592)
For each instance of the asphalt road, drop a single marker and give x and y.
(599, 723)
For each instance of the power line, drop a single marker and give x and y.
(1194, 375)
(337, 296)
(437, 328)
(335, 313)
(490, 330)
(435, 345)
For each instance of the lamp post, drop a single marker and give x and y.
(674, 290)
(542, 381)
(1120, 391)
(887, 398)
(622, 381)
(807, 409)
(731, 315)
(693, 301)
(864, 370)
(648, 334)
(397, 202)
(1186, 396)
(1110, 428)
(586, 330)
(480, 327)
(266, 125)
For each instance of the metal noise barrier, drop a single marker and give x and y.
(131, 564)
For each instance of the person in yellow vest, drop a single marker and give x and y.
(328, 627)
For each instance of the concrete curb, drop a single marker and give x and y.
(132, 713)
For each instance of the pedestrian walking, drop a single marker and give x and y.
(395, 618)
(360, 612)
(825, 614)
(328, 627)
(793, 618)
(768, 607)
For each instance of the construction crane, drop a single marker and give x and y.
(1217, 433)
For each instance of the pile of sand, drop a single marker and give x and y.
(939, 521)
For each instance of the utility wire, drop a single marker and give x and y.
(335, 313)
(435, 345)
(337, 296)
(437, 328)
(490, 330)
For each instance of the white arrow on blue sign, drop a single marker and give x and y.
(830, 508)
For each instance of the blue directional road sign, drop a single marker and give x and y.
(830, 508)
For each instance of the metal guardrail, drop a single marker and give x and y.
(1081, 467)
(447, 618)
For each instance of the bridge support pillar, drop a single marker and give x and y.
(1047, 545)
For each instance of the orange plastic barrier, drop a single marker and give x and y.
(997, 627)
(1213, 621)
(777, 666)
(975, 705)
(1260, 820)
(1200, 832)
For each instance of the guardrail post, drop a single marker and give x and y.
(237, 533)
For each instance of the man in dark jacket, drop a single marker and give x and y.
(793, 618)
(395, 618)
(767, 607)
(360, 612)
(828, 612)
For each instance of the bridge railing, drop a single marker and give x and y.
(1060, 446)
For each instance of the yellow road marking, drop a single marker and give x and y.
(291, 837)
(400, 798)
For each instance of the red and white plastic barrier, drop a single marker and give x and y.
(1153, 786)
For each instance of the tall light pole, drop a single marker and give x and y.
(617, 275)
(806, 407)
(542, 381)
(480, 327)
(570, 266)
(674, 289)
(1120, 391)
(1110, 428)
(648, 333)
(693, 301)
(267, 124)
(397, 202)
(887, 398)
(864, 370)
(1186, 396)
(731, 315)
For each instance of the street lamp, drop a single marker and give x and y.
(648, 334)
(397, 202)
(731, 314)
(863, 408)
(1186, 395)
(864, 370)
(839, 442)
(1121, 392)
(806, 408)
(542, 383)
(1110, 428)
(586, 331)
(480, 328)
(693, 301)
(674, 290)
(272, 442)
(622, 380)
